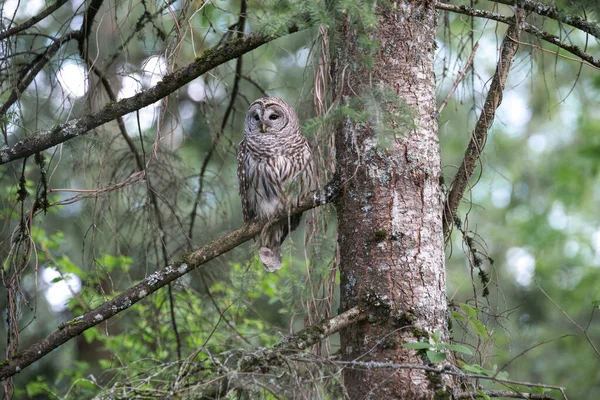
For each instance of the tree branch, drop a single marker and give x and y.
(234, 92)
(86, 25)
(170, 83)
(31, 72)
(555, 40)
(156, 281)
(556, 14)
(511, 394)
(33, 20)
(486, 118)
(441, 368)
(263, 361)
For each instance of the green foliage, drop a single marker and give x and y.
(470, 316)
(435, 349)
(112, 239)
(380, 109)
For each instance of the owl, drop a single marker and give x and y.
(275, 171)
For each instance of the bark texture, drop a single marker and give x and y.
(390, 208)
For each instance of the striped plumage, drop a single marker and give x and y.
(275, 171)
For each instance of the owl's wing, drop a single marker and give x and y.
(242, 171)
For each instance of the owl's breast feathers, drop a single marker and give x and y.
(272, 172)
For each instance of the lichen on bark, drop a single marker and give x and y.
(390, 208)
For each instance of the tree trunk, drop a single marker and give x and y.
(390, 208)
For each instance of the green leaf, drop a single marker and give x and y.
(482, 394)
(90, 334)
(38, 387)
(416, 345)
(435, 356)
(459, 348)
(479, 328)
(476, 369)
(458, 316)
(468, 310)
(502, 375)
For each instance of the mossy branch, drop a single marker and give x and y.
(556, 14)
(159, 279)
(484, 123)
(211, 58)
(529, 28)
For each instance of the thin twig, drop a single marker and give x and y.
(155, 281)
(442, 369)
(33, 20)
(32, 71)
(555, 40)
(170, 83)
(584, 331)
(554, 13)
(460, 77)
(234, 92)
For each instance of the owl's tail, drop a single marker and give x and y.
(271, 258)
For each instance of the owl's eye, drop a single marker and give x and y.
(256, 117)
(273, 117)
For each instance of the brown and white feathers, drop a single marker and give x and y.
(275, 171)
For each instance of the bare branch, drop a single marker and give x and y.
(304, 339)
(486, 118)
(33, 20)
(556, 14)
(88, 21)
(511, 394)
(555, 40)
(212, 58)
(265, 360)
(442, 368)
(31, 72)
(156, 281)
(234, 92)
(459, 78)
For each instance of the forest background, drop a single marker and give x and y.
(96, 225)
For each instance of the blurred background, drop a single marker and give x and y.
(530, 221)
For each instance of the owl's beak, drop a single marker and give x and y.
(263, 128)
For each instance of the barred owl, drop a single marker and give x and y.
(275, 171)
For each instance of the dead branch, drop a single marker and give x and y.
(442, 368)
(503, 393)
(486, 118)
(559, 15)
(212, 58)
(555, 40)
(156, 281)
(239, 27)
(33, 69)
(33, 20)
(459, 78)
(249, 367)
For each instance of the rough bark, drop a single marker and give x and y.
(390, 208)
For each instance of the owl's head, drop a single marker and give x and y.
(271, 116)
